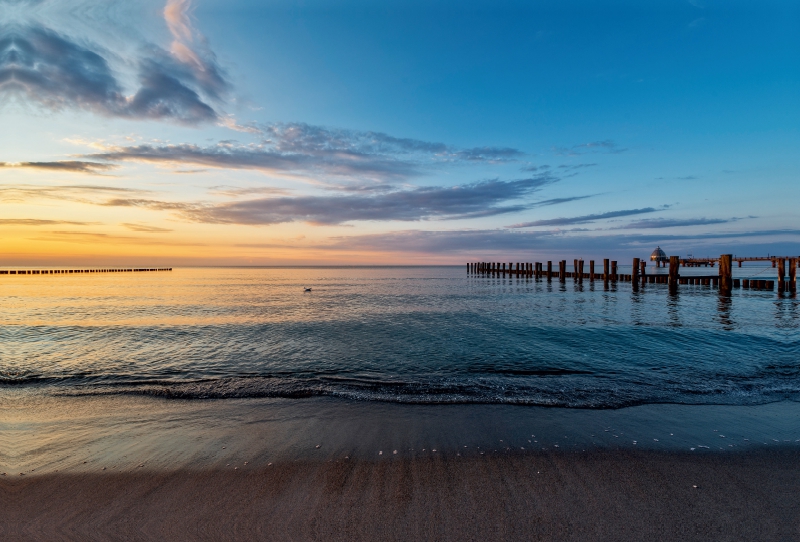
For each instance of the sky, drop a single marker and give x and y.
(321, 132)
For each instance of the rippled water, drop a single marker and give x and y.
(414, 335)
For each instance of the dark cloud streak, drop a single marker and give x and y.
(72, 166)
(585, 218)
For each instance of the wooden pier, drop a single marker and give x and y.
(723, 279)
(68, 271)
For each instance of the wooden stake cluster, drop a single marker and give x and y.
(724, 279)
(67, 271)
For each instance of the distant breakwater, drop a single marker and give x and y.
(68, 271)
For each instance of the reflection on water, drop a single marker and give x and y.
(418, 335)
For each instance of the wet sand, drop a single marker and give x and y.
(596, 495)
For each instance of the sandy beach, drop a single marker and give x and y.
(602, 495)
(138, 468)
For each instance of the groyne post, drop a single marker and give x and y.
(591, 270)
(549, 271)
(614, 270)
(725, 274)
(674, 265)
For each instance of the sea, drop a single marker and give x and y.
(239, 347)
(423, 335)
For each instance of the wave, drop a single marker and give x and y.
(573, 393)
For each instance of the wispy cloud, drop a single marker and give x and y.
(272, 160)
(571, 167)
(305, 150)
(71, 166)
(584, 219)
(606, 146)
(145, 228)
(42, 222)
(653, 223)
(489, 154)
(534, 244)
(237, 192)
(91, 238)
(558, 201)
(486, 198)
(82, 193)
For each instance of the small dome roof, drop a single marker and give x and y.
(658, 255)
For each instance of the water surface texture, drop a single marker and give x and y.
(409, 335)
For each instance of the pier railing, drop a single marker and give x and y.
(638, 277)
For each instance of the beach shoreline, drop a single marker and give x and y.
(121, 467)
(595, 495)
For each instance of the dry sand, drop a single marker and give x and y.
(601, 495)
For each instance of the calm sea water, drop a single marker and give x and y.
(408, 335)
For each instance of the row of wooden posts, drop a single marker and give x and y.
(66, 271)
(724, 279)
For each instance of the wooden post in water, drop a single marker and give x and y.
(674, 264)
(725, 274)
(549, 271)
(605, 270)
(781, 275)
(591, 270)
(580, 270)
(562, 270)
(635, 272)
(642, 268)
(613, 270)
(793, 275)
(575, 269)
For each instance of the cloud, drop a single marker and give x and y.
(80, 193)
(489, 154)
(269, 160)
(480, 199)
(439, 242)
(544, 245)
(303, 138)
(299, 149)
(42, 222)
(486, 198)
(606, 146)
(92, 238)
(151, 204)
(235, 192)
(49, 69)
(145, 228)
(558, 201)
(72, 166)
(652, 223)
(585, 218)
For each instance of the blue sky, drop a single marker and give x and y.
(386, 132)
